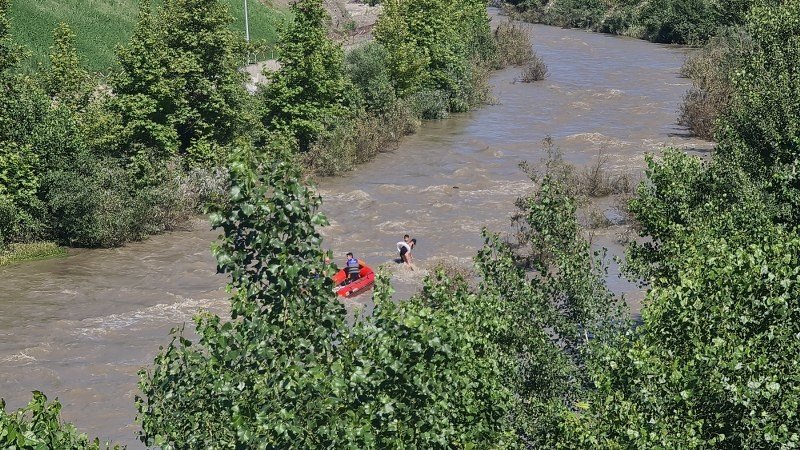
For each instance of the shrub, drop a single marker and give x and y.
(621, 19)
(576, 13)
(39, 426)
(89, 203)
(513, 45)
(377, 133)
(536, 70)
(367, 67)
(94, 202)
(699, 112)
(347, 143)
(334, 150)
(430, 104)
(454, 270)
(678, 21)
(711, 71)
(199, 187)
(475, 90)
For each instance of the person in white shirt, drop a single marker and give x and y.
(404, 247)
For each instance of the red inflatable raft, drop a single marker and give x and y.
(364, 282)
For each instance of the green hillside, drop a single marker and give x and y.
(100, 25)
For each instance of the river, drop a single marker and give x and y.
(79, 328)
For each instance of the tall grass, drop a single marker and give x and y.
(101, 25)
(19, 252)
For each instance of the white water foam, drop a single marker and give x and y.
(182, 311)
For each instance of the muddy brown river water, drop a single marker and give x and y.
(79, 328)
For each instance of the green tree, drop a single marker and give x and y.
(423, 43)
(683, 194)
(689, 22)
(554, 284)
(179, 90)
(22, 108)
(429, 372)
(711, 366)
(310, 88)
(19, 184)
(366, 66)
(430, 51)
(66, 81)
(761, 130)
(264, 376)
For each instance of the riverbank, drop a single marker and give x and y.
(34, 251)
(125, 172)
(686, 22)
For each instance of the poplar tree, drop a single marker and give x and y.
(65, 80)
(310, 86)
(21, 110)
(179, 90)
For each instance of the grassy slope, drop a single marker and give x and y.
(100, 25)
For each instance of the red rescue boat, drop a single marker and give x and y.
(364, 282)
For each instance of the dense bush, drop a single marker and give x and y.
(678, 21)
(711, 70)
(39, 426)
(760, 130)
(346, 143)
(690, 22)
(90, 210)
(536, 70)
(368, 70)
(576, 13)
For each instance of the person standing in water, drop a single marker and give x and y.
(404, 247)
